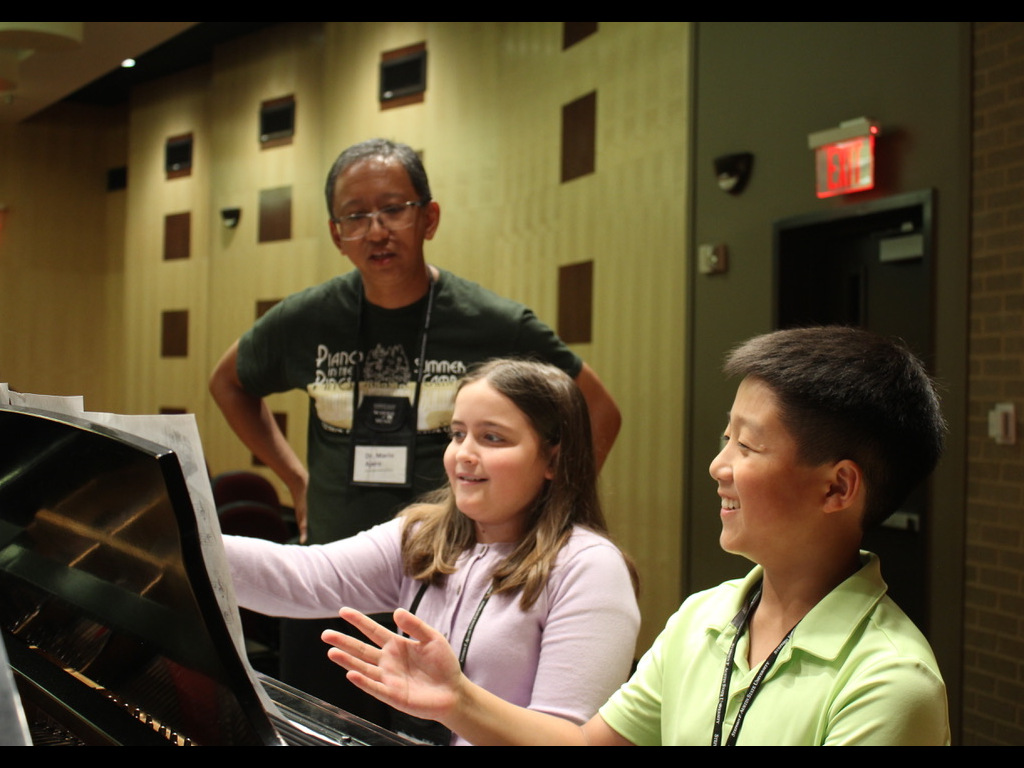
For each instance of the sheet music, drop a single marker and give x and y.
(68, 406)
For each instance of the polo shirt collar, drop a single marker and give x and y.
(826, 629)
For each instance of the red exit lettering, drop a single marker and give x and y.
(846, 166)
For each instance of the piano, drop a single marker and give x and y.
(114, 629)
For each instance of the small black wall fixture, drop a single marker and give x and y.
(733, 171)
(230, 216)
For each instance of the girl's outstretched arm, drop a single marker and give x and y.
(420, 675)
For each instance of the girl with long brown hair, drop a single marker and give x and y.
(510, 560)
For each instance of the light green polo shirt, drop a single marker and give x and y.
(856, 671)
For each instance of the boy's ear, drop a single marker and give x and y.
(846, 486)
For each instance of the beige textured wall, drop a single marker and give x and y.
(61, 255)
(490, 131)
(152, 285)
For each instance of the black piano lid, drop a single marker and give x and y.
(101, 573)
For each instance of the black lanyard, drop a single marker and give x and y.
(472, 623)
(420, 364)
(428, 730)
(741, 621)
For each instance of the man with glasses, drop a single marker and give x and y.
(379, 351)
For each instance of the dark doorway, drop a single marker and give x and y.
(869, 265)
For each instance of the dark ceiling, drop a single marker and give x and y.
(189, 49)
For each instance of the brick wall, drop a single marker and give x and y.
(993, 707)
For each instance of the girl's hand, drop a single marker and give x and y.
(419, 674)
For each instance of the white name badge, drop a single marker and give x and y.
(380, 464)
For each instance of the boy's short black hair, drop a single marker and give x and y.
(846, 393)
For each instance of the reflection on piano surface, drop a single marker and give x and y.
(113, 629)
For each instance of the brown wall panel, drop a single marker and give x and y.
(575, 302)
(579, 137)
(174, 333)
(574, 31)
(177, 236)
(275, 214)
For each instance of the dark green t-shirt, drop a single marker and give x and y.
(310, 341)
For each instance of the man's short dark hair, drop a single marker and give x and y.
(384, 149)
(845, 393)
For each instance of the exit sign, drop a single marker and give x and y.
(845, 166)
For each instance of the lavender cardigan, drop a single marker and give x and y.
(565, 656)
